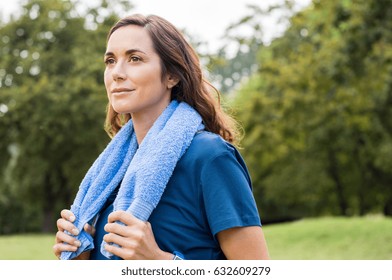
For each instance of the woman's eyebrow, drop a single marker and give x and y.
(127, 52)
(109, 54)
(133, 51)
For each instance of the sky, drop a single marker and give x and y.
(205, 20)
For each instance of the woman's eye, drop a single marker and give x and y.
(109, 61)
(134, 59)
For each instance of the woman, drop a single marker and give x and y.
(206, 209)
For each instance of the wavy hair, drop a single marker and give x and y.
(180, 60)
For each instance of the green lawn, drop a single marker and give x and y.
(366, 238)
(322, 238)
(27, 247)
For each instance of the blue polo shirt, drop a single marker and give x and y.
(208, 192)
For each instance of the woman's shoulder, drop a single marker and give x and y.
(210, 144)
(207, 146)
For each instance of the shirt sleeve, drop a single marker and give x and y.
(227, 193)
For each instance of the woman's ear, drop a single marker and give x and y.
(172, 81)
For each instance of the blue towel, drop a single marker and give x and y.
(142, 171)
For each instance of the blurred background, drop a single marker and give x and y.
(309, 81)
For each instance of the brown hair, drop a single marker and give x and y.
(180, 60)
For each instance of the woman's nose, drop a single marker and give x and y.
(118, 72)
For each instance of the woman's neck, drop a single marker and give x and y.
(141, 127)
(143, 120)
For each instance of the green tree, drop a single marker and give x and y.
(318, 116)
(52, 108)
(236, 59)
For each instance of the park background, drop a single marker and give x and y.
(314, 100)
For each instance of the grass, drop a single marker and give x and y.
(334, 238)
(27, 247)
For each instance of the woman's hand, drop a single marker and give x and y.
(66, 242)
(135, 237)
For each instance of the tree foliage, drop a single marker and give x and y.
(318, 113)
(236, 60)
(52, 108)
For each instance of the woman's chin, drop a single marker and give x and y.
(121, 109)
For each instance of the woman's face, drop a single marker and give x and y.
(133, 78)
